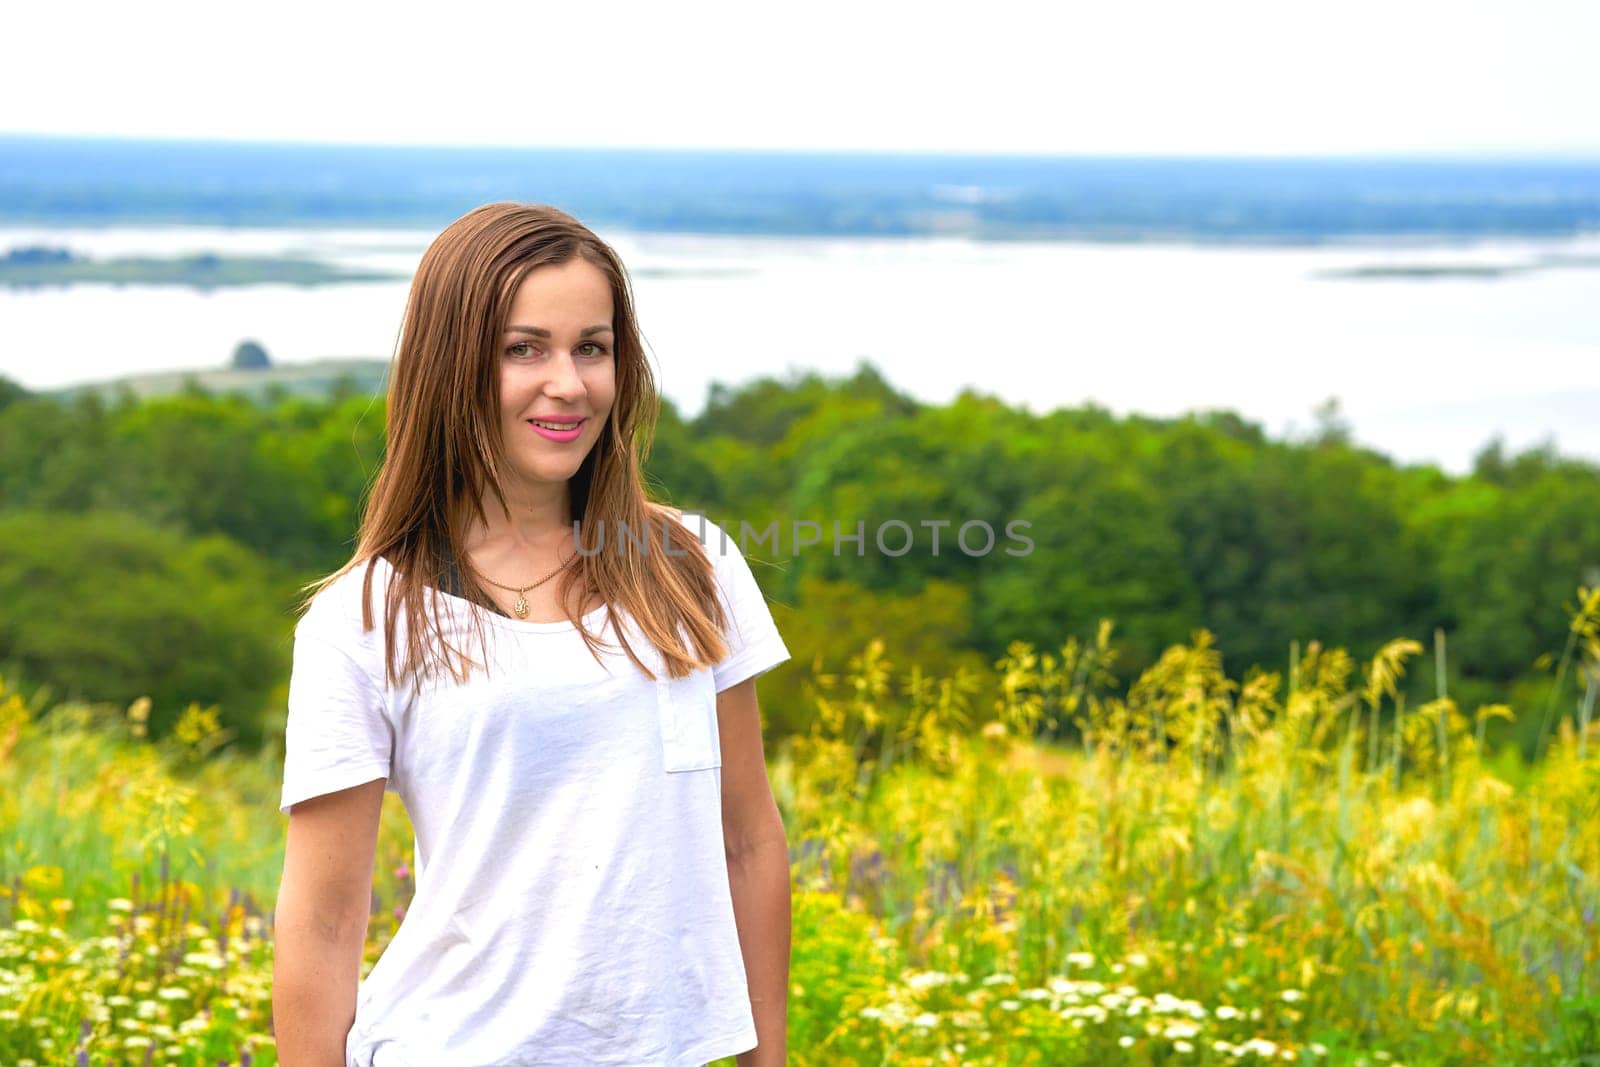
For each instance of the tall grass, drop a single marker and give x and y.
(1291, 868)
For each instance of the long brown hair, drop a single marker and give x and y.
(444, 449)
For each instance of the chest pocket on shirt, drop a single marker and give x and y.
(688, 712)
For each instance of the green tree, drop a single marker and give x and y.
(10, 392)
(831, 621)
(1103, 548)
(1509, 555)
(1293, 541)
(763, 411)
(675, 468)
(249, 355)
(107, 607)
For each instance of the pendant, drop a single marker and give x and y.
(520, 607)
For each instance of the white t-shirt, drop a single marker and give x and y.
(572, 902)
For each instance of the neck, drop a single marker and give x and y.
(528, 517)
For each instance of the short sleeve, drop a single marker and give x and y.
(338, 733)
(754, 644)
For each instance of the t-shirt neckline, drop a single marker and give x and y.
(522, 624)
(506, 621)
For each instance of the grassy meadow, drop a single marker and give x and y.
(1296, 868)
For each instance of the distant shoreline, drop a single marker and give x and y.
(316, 378)
(47, 267)
(1206, 200)
(1484, 271)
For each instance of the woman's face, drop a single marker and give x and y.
(557, 370)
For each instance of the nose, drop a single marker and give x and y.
(564, 382)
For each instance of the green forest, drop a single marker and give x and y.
(154, 546)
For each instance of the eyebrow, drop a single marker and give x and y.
(540, 331)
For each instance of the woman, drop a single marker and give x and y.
(557, 676)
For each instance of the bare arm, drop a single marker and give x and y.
(320, 924)
(758, 871)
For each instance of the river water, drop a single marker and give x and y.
(1426, 370)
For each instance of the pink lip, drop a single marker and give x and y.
(561, 436)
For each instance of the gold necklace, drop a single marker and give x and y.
(521, 606)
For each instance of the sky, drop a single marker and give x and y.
(1224, 77)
